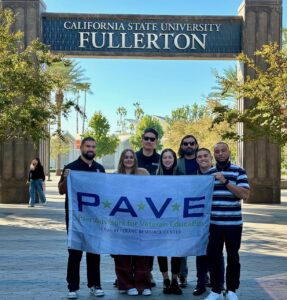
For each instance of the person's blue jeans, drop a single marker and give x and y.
(36, 186)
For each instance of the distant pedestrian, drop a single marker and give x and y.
(85, 163)
(36, 179)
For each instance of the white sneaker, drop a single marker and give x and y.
(214, 296)
(146, 292)
(231, 296)
(72, 295)
(132, 292)
(97, 291)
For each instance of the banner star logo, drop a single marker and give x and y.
(106, 204)
(141, 206)
(175, 207)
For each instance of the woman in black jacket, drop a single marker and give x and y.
(36, 180)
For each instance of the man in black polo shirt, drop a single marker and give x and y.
(84, 163)
(148, 158)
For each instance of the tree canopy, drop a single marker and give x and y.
(99, 128)
(266, 91)
(25, 86)
(186, 113)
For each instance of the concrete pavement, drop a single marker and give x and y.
(33, 254)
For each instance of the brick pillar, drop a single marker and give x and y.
(262, 23)
(16, 155)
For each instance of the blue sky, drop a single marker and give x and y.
(159, 85)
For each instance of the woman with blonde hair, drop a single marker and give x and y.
(133, 271)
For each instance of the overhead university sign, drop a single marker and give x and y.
(138, 35)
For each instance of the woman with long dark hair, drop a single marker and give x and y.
(36, 180)
(168, 166)
(133, 271)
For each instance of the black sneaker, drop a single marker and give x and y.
(183, 281)
(199, 291)
(174, 288)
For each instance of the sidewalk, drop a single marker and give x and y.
(33, 254)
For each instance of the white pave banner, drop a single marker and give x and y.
(138, 214)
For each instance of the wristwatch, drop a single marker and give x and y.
(226, 182)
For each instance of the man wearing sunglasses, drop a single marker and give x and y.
(187, 165)
(147, 156)
(187, 162)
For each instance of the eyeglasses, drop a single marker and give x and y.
(148, 138)
(188, 143)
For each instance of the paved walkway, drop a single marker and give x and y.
(33, 254)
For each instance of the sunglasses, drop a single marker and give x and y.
(148, 138)
(189, 143)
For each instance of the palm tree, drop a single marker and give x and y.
(122, 112)
(68, 76)
(86, 88)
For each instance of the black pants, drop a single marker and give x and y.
(73, 270)
(230, 236)
(163, 264)
(202, 270)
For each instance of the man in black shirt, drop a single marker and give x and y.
(84, 163)
(147, 156)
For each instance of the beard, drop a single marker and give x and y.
(190, 151)
(89, 155)
(223, 163)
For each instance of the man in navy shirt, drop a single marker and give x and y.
(85, 163)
